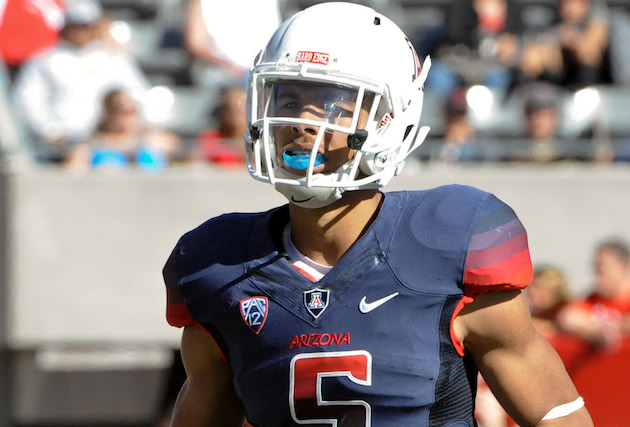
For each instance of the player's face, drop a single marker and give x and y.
(80, 35)
(122, 114)
(319, 103)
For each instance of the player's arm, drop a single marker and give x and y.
(199, 41)
(522, 369)
(207, 397)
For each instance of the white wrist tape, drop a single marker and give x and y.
(564, 410)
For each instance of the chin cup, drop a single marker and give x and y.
(303, 196)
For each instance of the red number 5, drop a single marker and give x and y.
(308, 405)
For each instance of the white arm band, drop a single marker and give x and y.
(564, 410)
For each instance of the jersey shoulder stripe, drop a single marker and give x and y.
(498, 255)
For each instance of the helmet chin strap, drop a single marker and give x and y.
(303, 196)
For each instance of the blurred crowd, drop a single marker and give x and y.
(595, 323)
(512, 80)
(82, 99)
(552, 65)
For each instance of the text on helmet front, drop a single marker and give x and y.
(312, 57)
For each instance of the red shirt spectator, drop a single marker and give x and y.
(223, 144)
(603, 318)
(215, 147)
(28, 27)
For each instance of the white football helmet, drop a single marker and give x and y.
(343, 52)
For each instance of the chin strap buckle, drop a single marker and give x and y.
(254, 132)
(356, 140)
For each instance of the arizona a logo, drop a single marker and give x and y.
(254, 312)
(316, 301)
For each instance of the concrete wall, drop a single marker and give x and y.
(83, 254)
(86, 339)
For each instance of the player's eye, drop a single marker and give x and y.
(288, 106)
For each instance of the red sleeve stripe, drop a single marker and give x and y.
(496, 254)
(459, 346)
(178, 315)
(514, 272)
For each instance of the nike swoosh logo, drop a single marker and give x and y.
(366, 307)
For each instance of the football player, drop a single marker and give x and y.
(350, 306)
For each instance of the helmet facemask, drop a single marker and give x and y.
(298, 89)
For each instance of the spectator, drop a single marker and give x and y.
(229, 35)
(458, 142)
(480, 43)
(224, 145)
(542, 119)
(123, 139)
(546, 296)
(58, 93)
(27, 27)
(603, 318)
(546, 137)
(538, 139)
(573, 50)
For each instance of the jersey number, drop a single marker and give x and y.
(309, 406)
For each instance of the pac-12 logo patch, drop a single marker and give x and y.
(254, 312)
(316, 301)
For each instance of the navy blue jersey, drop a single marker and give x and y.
(371, 343)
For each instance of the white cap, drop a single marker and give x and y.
(82, 12)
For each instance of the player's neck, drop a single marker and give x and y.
(325, 235)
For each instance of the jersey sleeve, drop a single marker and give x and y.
(177, 313)
(498, 254)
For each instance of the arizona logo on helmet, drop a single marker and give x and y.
(254, 312)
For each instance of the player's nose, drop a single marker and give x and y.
(308, 113)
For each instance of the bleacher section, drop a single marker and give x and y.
(156, 31)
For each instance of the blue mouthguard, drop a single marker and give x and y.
(299, 161)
